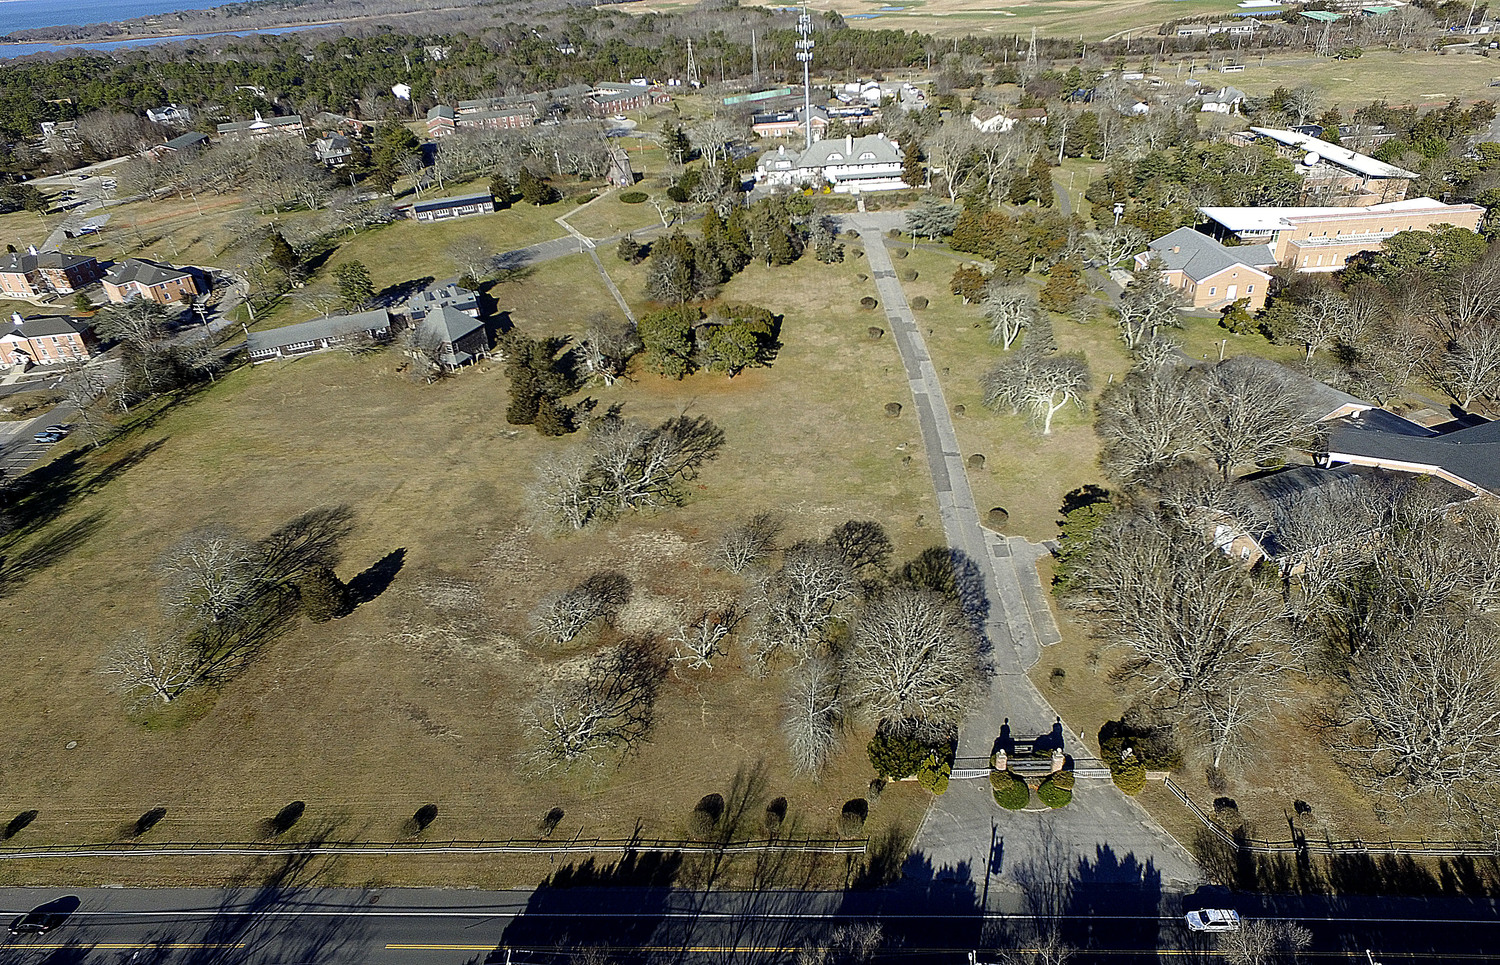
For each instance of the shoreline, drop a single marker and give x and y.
(196, 35)
(223, 31)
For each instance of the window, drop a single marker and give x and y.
(1249, 289)
(1214, 290)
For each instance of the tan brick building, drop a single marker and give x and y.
(1209, 274)
(1323, 239)
(138, 278)
(46, 340)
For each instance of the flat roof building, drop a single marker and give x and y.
(1314, 239)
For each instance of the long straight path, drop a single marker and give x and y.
(965, 830)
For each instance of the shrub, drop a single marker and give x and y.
(899, 252)
(1153, 746)
(424, 816)
(633, 197)
(976, 461)
(877, 784)
(550, 821)
(919, 303)
(893, 409)
(706, 814)
(996, 518)
(677, 193)
(1056, 790)
(1129, 774)
(322, 594)
(1057, 677)
(852, 817)
(895, 756)
(1222, 804)
(893, 233)
(775, 814)
(908, 274)
(875, 331)
(859, 277)
(1011, 792)
(282, 821)
(868, 303)
(934, 774)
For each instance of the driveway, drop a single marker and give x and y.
(965, 830)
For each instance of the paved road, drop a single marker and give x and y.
(964, 828)
(920, 923)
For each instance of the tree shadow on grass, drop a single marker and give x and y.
(377, 579)
(393, 295)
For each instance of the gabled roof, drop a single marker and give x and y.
(451, 325)
(1334, 154)
(142, 272)
(1198, 256)
(184, 141)
(1316, 401)
(1226, 95)
(1471, 454)
(442, 111)
(333, 326)
(458, 201)
(40, 326)
(27, 263)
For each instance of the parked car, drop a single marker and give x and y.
(1213, 919)
(48, 438)
(63, 429)
(43, 918)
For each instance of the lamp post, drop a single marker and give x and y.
(1119, 210)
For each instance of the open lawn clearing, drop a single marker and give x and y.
(1420, 77)
(608, 216)
(1092, 19)
(176, 230)
(367, 723)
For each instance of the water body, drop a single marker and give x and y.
(30, 14)
(21, 50)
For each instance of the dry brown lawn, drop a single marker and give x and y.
(366, 723)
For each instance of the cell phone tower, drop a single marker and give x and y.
(804, 54)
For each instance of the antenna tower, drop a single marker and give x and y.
(692, 67)
(1031, 51)
(804, 54)
(754, 61)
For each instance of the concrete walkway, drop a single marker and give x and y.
(965, 831)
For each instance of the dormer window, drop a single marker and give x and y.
(835, 157)
(867, 156)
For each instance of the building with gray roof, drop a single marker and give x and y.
(463, 338)
(851, 165)
(448, 294)
(1210, 274)
(1467, 457)
(318, 335)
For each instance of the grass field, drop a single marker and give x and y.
(1420, 77)
(608, 216)
(1091, 19)
(365, 724)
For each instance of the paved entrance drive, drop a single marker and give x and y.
(1103, 833)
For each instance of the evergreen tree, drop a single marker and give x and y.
(630, 251)
(355, 288)
(668, 339)
(502, 191)
(279, 255)
(322, 594)
(912, 170)
(969, 283)
(671, 276)
(538, 380)
(1040, 175)
(1065, 288)
(534, 190)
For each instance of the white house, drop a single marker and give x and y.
(1224, 101)
(990, 120)
(851, 165)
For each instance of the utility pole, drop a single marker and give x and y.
(804, 54)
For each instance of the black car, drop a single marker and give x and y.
(44, 918)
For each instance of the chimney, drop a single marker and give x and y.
(848, 144)
(31, 250)
(17, 319)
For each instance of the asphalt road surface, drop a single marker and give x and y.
(920, 923)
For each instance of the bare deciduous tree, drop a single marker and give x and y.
(1246, 415)
(1146, 421)
(1263, 942)
(611, 707)
(913, 657)
(1147, 305)
(794, 606)
(154, 668)
(1009, 309)
(608, 346)
(744, 545)
(1471, 365)
(811, 714)
(1115, 243)
(700, 641)
(852, 944)
(211, 573)
(563, 616)
(1039, 385)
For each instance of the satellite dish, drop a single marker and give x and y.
(1312, 159)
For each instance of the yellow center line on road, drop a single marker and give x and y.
(773, 950)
